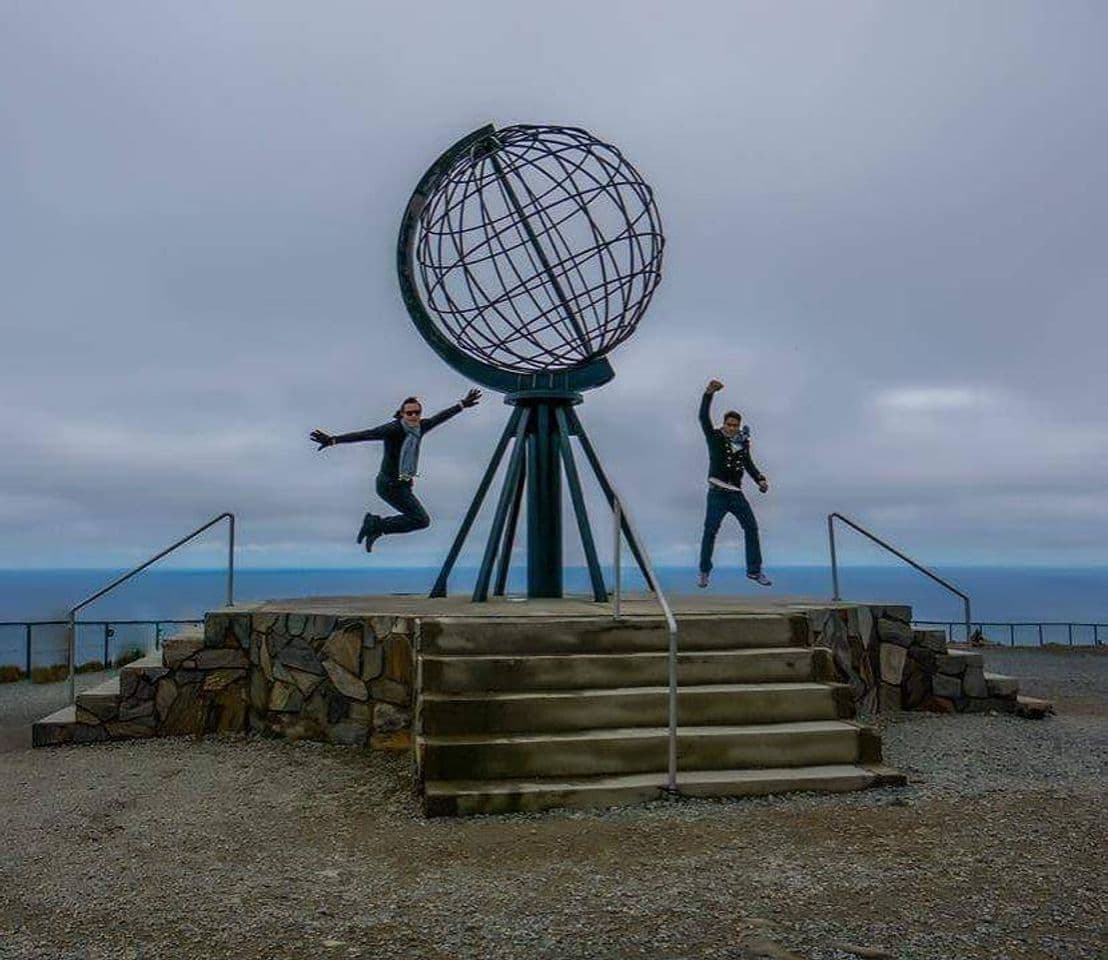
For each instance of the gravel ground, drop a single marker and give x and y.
(252, 848)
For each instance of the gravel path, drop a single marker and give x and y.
(251, 848)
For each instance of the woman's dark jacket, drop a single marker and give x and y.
(392, 433)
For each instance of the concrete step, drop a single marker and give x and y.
(465, 674)
(1033, 708)
(559, 710)
(469, 797)
(1001, 686)
(645, 750)
(150, 661)
(524, 635)
(64, 726)
(102, 701)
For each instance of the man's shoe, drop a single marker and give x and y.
(370, 531)
(760, 578)
(702, 580)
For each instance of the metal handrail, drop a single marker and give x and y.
(831, 517)
(71, 629)
(621, 517)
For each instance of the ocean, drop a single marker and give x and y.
(1078, 594)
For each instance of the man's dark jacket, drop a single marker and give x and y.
(392, 433)
(727, 459)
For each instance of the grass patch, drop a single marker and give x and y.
(10, 674)
(90, 666)
(129, 656)
(51, 674)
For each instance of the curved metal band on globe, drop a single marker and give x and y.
(527, 254)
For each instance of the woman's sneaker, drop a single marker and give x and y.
(760, 578)
(702, 580)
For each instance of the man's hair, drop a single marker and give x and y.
(403, 403)
(731, 415)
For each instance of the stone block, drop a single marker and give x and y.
(186, 714)
(892, 663)
(320, 627)
(889, 698)
(305, 682)
(240, 630)
(216, 627)
(176, 650)
(218, 680)
(389, 691)
(934, 640)
(381, 626)
(227, 712)
(221, 658)
(950, 664)
(258, 690)
(915, 689)
(89, 717)
(974, 682)
(361, 711)
(894, 631)
(285, 698)
(133, 728)
(388, 718)
(345, 682)
(351, 733)
(398, 659)
(264, 659)
(345, 647)
(264, 622)
(164, 696)
(373, 661)
(298, 653)
(144, 708)
(295, 624)
(943, 685)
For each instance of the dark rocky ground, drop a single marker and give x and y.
(251, 848)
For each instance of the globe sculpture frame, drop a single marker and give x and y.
(525, 255)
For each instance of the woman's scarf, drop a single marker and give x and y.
(409, 453)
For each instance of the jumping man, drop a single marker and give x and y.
(729, 457)
(402, 436)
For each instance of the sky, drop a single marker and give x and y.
(886, 230)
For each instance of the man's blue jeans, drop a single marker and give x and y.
(720, 503)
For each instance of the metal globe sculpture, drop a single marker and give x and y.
(539, 249)
(525, 256)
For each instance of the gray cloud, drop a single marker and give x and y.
(886, 233)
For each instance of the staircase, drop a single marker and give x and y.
(122, 707)
(520, 716)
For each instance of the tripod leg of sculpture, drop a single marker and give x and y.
(606, 487)
(439, 589)
(501, 581)
(599, 592)
(507, 492)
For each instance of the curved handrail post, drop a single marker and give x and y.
(832, 517)
(71, 628)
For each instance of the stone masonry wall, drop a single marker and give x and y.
(342, 680)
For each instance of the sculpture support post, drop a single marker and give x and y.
(544, 506)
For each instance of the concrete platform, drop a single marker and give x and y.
(460, 606)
